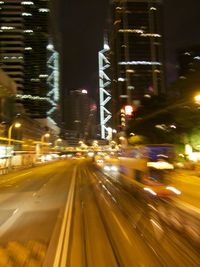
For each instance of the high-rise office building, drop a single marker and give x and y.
(188, 61)
(36, 36)
(28, 55)
(136, 54)
(12, 40)
(79, 103)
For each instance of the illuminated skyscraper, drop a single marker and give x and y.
(29, 56)
(12, 40)
(136, 52)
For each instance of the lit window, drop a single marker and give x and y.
(139, 63)
(7, 28)
(131, 30)
(28, 31)
(26, 14)
(50, 47)
(43, 75)
(27, 3)
(35, 80)
(150, 35)
(44, 10)
(121, 79)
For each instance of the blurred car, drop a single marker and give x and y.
(110, 168)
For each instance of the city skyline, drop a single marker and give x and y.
(180, 28)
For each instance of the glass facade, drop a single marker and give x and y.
(12, 40)
(24, 40)
(137, 52)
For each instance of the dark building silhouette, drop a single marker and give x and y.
(136, 52)
(188, 61)
(82, 119)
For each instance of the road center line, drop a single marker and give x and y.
(122, 229)
(63, 242)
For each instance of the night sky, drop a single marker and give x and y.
(81, 24)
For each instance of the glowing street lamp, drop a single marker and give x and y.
(16, 125)
(197, 99)
(57, 141)
(47, 135)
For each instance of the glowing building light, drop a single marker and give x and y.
(7, 28)
(43, 75)
(106, 47)
(35, 80)
(26, 14)
(131, 30)
(128, 110)
(50, 47)
(35, 98)
(44, 10)
(28, 31)
(130, 71)
(151, 35)
(139, 63)
(28, 48)
(84, 91)
(27, 3)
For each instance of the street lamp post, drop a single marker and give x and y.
(57, 141)
(16, 125)
(40, 147)
(46, 135)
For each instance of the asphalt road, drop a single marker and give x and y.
(69, 213)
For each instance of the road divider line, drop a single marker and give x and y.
(122, 229)
(63, 242)
(13, 178)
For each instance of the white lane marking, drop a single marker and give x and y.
(23, 174)
(156, 224)
(122, 229)
(15, 211)
(8, 223)
(63, 242)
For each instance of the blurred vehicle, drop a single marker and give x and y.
(147, 170)
(110, 168)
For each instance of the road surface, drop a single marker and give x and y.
(68, 213)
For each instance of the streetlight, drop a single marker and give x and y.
(47, 135)
(16, 125)
(39, 148)
(57, 141)
(197, 98)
